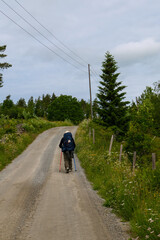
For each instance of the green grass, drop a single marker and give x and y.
(16, 135)
(136, 198)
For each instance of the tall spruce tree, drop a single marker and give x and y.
(3, 65)
(112, 107)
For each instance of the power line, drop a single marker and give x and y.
(96, 76)
(92, 70)
(42, 34)
(40, 41)
(94, 73)
(50, 32)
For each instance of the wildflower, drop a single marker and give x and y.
(147, 237)
(150, 220)
(149, 229)
(152, 232)
(158, 235)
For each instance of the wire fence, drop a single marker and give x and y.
(121, 152)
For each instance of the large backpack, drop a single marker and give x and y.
(68, 142)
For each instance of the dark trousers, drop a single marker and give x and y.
(67, 160)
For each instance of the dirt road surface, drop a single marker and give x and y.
(39, 203)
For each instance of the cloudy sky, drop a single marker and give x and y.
(129, 30)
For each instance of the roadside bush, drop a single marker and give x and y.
(139, 141)
(16, 135)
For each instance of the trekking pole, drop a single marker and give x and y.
(60, 162)
(74, 163)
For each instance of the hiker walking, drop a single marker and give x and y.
(67, 145)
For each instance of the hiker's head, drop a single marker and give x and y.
(67, 131)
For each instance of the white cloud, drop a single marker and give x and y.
(135, 52)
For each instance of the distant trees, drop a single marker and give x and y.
(111, 106)
(51, 107)
(86, 108)
(31, 107)
(65, 107)
(8, 108)
(3, 65)
(21, 103)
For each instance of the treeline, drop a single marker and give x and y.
(48, 106)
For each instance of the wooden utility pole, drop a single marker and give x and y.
(90, 90)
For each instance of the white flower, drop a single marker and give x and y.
(150, 220)
(147, 236)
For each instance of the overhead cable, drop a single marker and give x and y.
(50, 32)
(40, 41)
(42, 34)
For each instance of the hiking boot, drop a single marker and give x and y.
(67, 170)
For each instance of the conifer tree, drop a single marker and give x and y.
(112, 107)
(3, 65)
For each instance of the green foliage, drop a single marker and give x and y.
(3, 65)
(21, 103)
(41, 105)
(86, 108)
(144, 126)
(137, 140)
(27, 115)
(112, 109)
(11, 110)
(30, 108)
(16, 134)
(65, 107)
(135, 197)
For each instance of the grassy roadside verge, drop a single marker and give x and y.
(16, 135)
(136, 198)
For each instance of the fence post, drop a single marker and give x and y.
(153, 161)
(89, 132)
(93, 136)
(120, 155)
(111, 142)
(134, 161)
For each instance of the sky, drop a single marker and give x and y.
(53, 56)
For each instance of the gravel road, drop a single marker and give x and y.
(39, 203)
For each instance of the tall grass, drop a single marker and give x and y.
(134, 197)
(16, 135)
